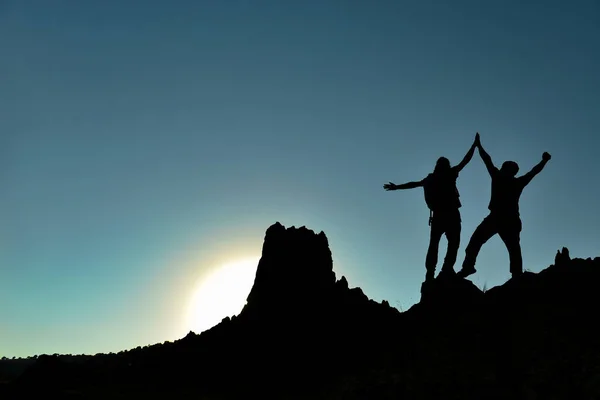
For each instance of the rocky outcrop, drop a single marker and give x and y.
(295, 283)
(294, 274)
(303, 332)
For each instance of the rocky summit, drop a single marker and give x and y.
(305, 334)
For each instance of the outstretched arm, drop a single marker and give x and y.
(487, 160)
(525, 179)
(408, 185)
(468, 156)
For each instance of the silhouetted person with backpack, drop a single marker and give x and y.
(442, 198)
(504, 218)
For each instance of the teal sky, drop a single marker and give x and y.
(145, 144)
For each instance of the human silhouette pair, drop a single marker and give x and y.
(504, 219)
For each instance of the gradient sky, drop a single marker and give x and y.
(144, 144)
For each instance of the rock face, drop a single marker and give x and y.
(303, 333)
(450, 293)
(294, 274)
(295, 287)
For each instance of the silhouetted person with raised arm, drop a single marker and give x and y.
(442, 198)
(504, 218)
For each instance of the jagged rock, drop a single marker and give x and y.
(295, 271)
(190, 335)
(514, 292)
(342, 284)
(534, 336)
(562, 257)
(450, 293)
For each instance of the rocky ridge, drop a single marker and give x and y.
(305, 334)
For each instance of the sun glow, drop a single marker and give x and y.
(221, 294)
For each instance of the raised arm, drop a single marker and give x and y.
(525, 179)
(408, 185)
(468, 156)
(487, 160)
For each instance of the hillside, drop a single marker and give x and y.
(305, 334)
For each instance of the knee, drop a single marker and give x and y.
(433, 245)
(513, 246)
(454, 244)
(453, 239)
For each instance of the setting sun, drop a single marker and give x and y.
(221, 294)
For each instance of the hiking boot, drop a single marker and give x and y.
(447, 273)
(463, 273)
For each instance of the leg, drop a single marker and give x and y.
(511, 236)
(453, 235)
(482, 234)
(432, 251)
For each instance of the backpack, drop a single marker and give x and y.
(440, 192)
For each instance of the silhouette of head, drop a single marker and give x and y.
(509, 168)
(442, 165)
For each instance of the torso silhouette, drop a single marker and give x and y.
(444, 194)
(506, 191)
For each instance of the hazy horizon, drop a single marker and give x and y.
(145, 147)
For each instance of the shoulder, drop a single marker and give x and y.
(454, 172)
(427, 180)
(522, 180)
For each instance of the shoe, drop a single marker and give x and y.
(463, 273)
(447, 273)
